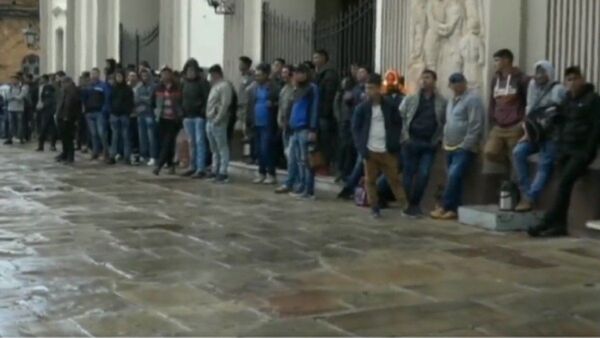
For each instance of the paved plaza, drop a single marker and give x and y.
(92, 250)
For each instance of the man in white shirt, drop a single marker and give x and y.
(376, 128)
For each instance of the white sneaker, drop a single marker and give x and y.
(259, 180)
(271, 180)
(152, 162)
(118, 157)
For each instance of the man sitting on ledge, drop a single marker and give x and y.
(578, 135)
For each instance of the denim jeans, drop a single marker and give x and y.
(299, 144)
(16, 126)
(147, 130)
(357, 173)
(98, 132)
(217, 139)
(533, 190)
(264, 137)
(458, 165)
(120, 135)
(418, 160)
(195, 128)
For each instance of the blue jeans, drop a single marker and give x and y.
(120, 135)
(195, 128)
(533, 190)
(147, 129)
(293, 179)
(299, 144)
(16, 125)
(98, 132)
(458, 165)
(418, 160)
(264, 138)
(357, 173)
(217, 139)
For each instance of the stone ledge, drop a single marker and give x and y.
(490, 218)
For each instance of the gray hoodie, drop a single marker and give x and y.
(17, 95)
(464, 122)
(544, 96)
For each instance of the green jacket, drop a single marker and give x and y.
(408, 110)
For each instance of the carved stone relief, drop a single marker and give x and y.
(447, 36)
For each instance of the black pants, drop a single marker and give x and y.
(67, 135)
(327, 139)
(573, 168)
(82, 133)
(47, 129)
(346, 159)
(134, 134)
(167, 131)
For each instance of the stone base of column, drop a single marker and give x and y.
(491, 218)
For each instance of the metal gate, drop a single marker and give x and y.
(137, 47)
(348, 37)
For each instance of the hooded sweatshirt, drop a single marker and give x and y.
(549, 94)
(579, 124)
(509, 98)
(122, 100)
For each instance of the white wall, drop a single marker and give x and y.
(297, 9)
(207, 35)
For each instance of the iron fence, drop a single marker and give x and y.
(136, 47)
(348, 37)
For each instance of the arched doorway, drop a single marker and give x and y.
(59, 61)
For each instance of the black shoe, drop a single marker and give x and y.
(53, 149)
(8, 143)
(199, 176)
(413, 211)
(111, 161)
(188, 173)
(60, 158)
(156, 171)
(555, 232)
(345, 194)
(172, 170)
(22, 141)
(538, 230)
(40, 150)
(376, 213)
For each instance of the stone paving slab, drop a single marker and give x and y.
(92, 250)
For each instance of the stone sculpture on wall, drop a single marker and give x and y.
(447, 36)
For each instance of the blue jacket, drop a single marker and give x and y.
(305, 109)
(361, 126)
(97, 98)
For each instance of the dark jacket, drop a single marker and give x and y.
(48, 97)
(274, 91)
(328, 82)
(195, 97)
(122, 100)
(96, 98)
(69, 104)
(578, 124)
(361, 127)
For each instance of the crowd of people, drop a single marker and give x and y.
(378, 141)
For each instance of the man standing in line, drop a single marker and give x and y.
(507, 108)
(376, 127)
(147, 129)
(195, 92)
(17, 97)
(263, 100)
(246, 81)
(67, 115)
(122, 106)
(276, 69)
(97, 107)
(578, 136)
(423, 116)
(218, 114)
(46, 107)
(328, 82)
(462, 136)
(543, 98)
(286, 100)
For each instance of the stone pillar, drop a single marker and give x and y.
(253, 29)
(45, 38)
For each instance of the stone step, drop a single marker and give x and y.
(324, 184)
(594, 225)
(491, 218)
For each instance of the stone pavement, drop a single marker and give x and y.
(92, 250)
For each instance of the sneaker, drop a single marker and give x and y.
(118, 157)
(437, 213)
(189, 173)
(345, 195)
(296, 194)
(524, 206)
(211, 176)
(376, 213)
(156, 171)
(413, 211)
(307, 197)
(152, 162)
(259, 180)
(282, 190)
(199, 175)
(449, 216)
(8, 143)
(111, 161)
(40, 150)
(222, 179)
(172, 170)
(270, 180)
